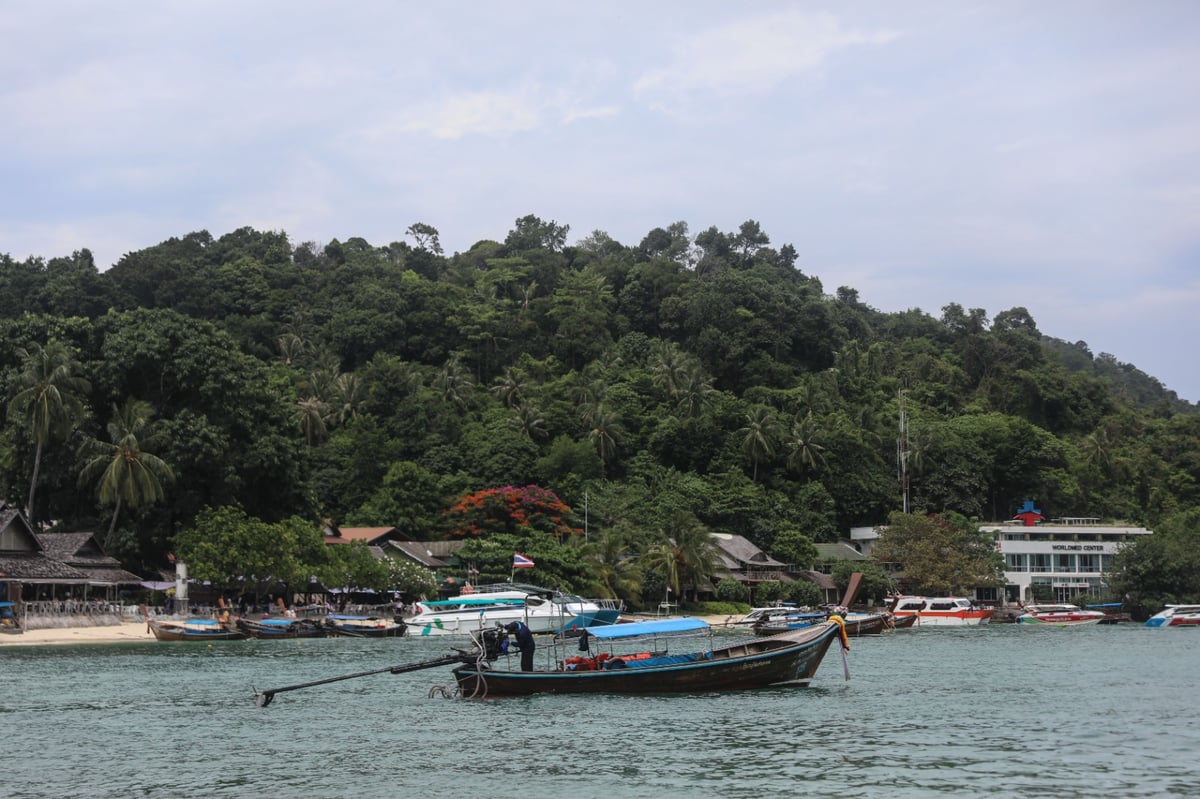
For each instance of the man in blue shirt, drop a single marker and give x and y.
(524, 643)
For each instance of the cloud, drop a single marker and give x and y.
(751, 55)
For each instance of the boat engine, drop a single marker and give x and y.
(493, 641)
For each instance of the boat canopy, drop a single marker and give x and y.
(462, 600)
(656, 627)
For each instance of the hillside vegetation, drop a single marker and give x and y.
(682, 380)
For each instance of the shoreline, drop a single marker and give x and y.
(126, 632)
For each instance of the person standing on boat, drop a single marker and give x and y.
(524, 642)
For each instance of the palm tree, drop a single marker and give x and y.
(695, 391)
(311, 414)
(454, 383)
(805, 450)
(616, 573)
(694, 550)
(349, 391)
(50, 399)
(605, 433)
(128, 475)
(511, 387)
(758, 436)
(528, 420)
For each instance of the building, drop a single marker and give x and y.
(1068, 556)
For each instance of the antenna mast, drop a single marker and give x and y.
(902, 451)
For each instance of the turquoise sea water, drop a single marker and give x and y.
(999, 711)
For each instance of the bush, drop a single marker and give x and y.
(729, 590)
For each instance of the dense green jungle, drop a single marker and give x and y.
(690, 381)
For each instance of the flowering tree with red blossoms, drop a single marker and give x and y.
(522, 512)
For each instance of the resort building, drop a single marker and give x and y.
(1067, 556)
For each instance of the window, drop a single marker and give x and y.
(1064, 563)
(1015, 562)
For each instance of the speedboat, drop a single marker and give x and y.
(1060, 616)
(462, 615)
(584, 612)
(1176, 616)
(947, 611)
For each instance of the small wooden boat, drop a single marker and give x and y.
(283, 628)
(364, 626)
(789, 658)
(856, 623)
(192, 630)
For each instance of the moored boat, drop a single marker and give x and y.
(282, 628)
(544, 611)
(193, 630)
(1176, 616)
(856, 623)
(364, 626)
(789, 658)
(1060, 615)
(940, 611)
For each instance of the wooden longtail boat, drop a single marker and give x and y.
(856, 623)
(789, 658)
(364, 626)
(192, 630)
(283, 628)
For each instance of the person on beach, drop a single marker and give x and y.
(524, 642)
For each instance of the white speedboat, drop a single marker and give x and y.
(462, 615)
(1059, 616)
(946, 611)
(1176, 616)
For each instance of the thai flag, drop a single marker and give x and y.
(521, 562)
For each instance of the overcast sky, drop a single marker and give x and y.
(993, 154)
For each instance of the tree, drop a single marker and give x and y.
(940, 554)
(237, 552)
(50, 399)
(518, 511)
(758, 437)
(127, 474)
(684, 555)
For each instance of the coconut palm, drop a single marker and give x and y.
(128, 476)
(50, 399)
(695, 553)
(454, 383)
(758, 437)
(311, 414)
(805, 450)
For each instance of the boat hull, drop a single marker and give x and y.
(183, 631)
(364, 627)
(790, 658)
(295, 628)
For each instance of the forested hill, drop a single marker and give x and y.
(702, 373)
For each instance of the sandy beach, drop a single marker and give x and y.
(111, 634)
(124, 633)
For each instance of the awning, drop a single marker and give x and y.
(656, 627)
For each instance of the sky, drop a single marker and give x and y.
(996, 154)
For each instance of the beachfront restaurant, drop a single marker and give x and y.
(55, 582)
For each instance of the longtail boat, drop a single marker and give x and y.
(789, 658)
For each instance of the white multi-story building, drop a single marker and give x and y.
(1071, 555)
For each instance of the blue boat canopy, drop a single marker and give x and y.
(656, 627)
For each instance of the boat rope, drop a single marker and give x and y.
(841, 623)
